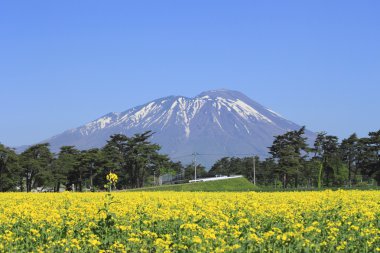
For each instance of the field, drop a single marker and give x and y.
(328, 221)
(234, 184)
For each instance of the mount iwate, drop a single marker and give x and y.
(214, 124)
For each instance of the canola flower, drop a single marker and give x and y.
(328, 221)
(111, 181)
(112, 178)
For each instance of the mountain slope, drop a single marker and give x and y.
(214, 123)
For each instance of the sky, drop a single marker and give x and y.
(66, 63)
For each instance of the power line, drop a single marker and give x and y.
(181, 156)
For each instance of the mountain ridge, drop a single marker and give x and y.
(214, 122)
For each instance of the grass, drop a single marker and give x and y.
(262, 188)
(233, 185)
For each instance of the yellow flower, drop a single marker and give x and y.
(191, 222)
(112, 178)
(353, 227)
(268, 234)
(94, 242)
(197, 239)
(134, 240)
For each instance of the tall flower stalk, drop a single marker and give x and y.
(111, 181)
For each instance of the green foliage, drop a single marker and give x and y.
(64, 165)
(190, 172)
(349, 151)
(293, 164)
(134, 158)
(9, 169)
(370, 158)
(288, 150)
(137, 161)
(36, 166)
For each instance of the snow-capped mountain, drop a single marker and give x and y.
(214, 124)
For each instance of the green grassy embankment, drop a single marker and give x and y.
(234, 184)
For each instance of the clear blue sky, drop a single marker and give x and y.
(65, 63)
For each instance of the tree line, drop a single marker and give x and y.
(135, 159)
(292, 163)
(326, 163)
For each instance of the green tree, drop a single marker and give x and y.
(63, 165)
(134, 158)
(36, 166)
(141, 157)
(220, 167)
(114, 155)
(268, 173)
(312, 173)
(190, 172)
(9, 169)
(328, 152)
(349, 149)
(289, 150)
(370, 156)
(318, 160)
(88, 164)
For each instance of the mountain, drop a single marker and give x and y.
(214, 124)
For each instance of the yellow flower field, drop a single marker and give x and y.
(329, 221)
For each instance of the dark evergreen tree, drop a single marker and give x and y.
(190, 172)
(114, 155)
(349, 150)
(141, 158)
(371, 156)
(220, 167)
(289, 150)
(134, 159)
(36, 166)
(9, 169)
(63, 166)
(88, 164)
(328, 156)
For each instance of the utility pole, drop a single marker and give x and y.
(195, 165)
(254, 169)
